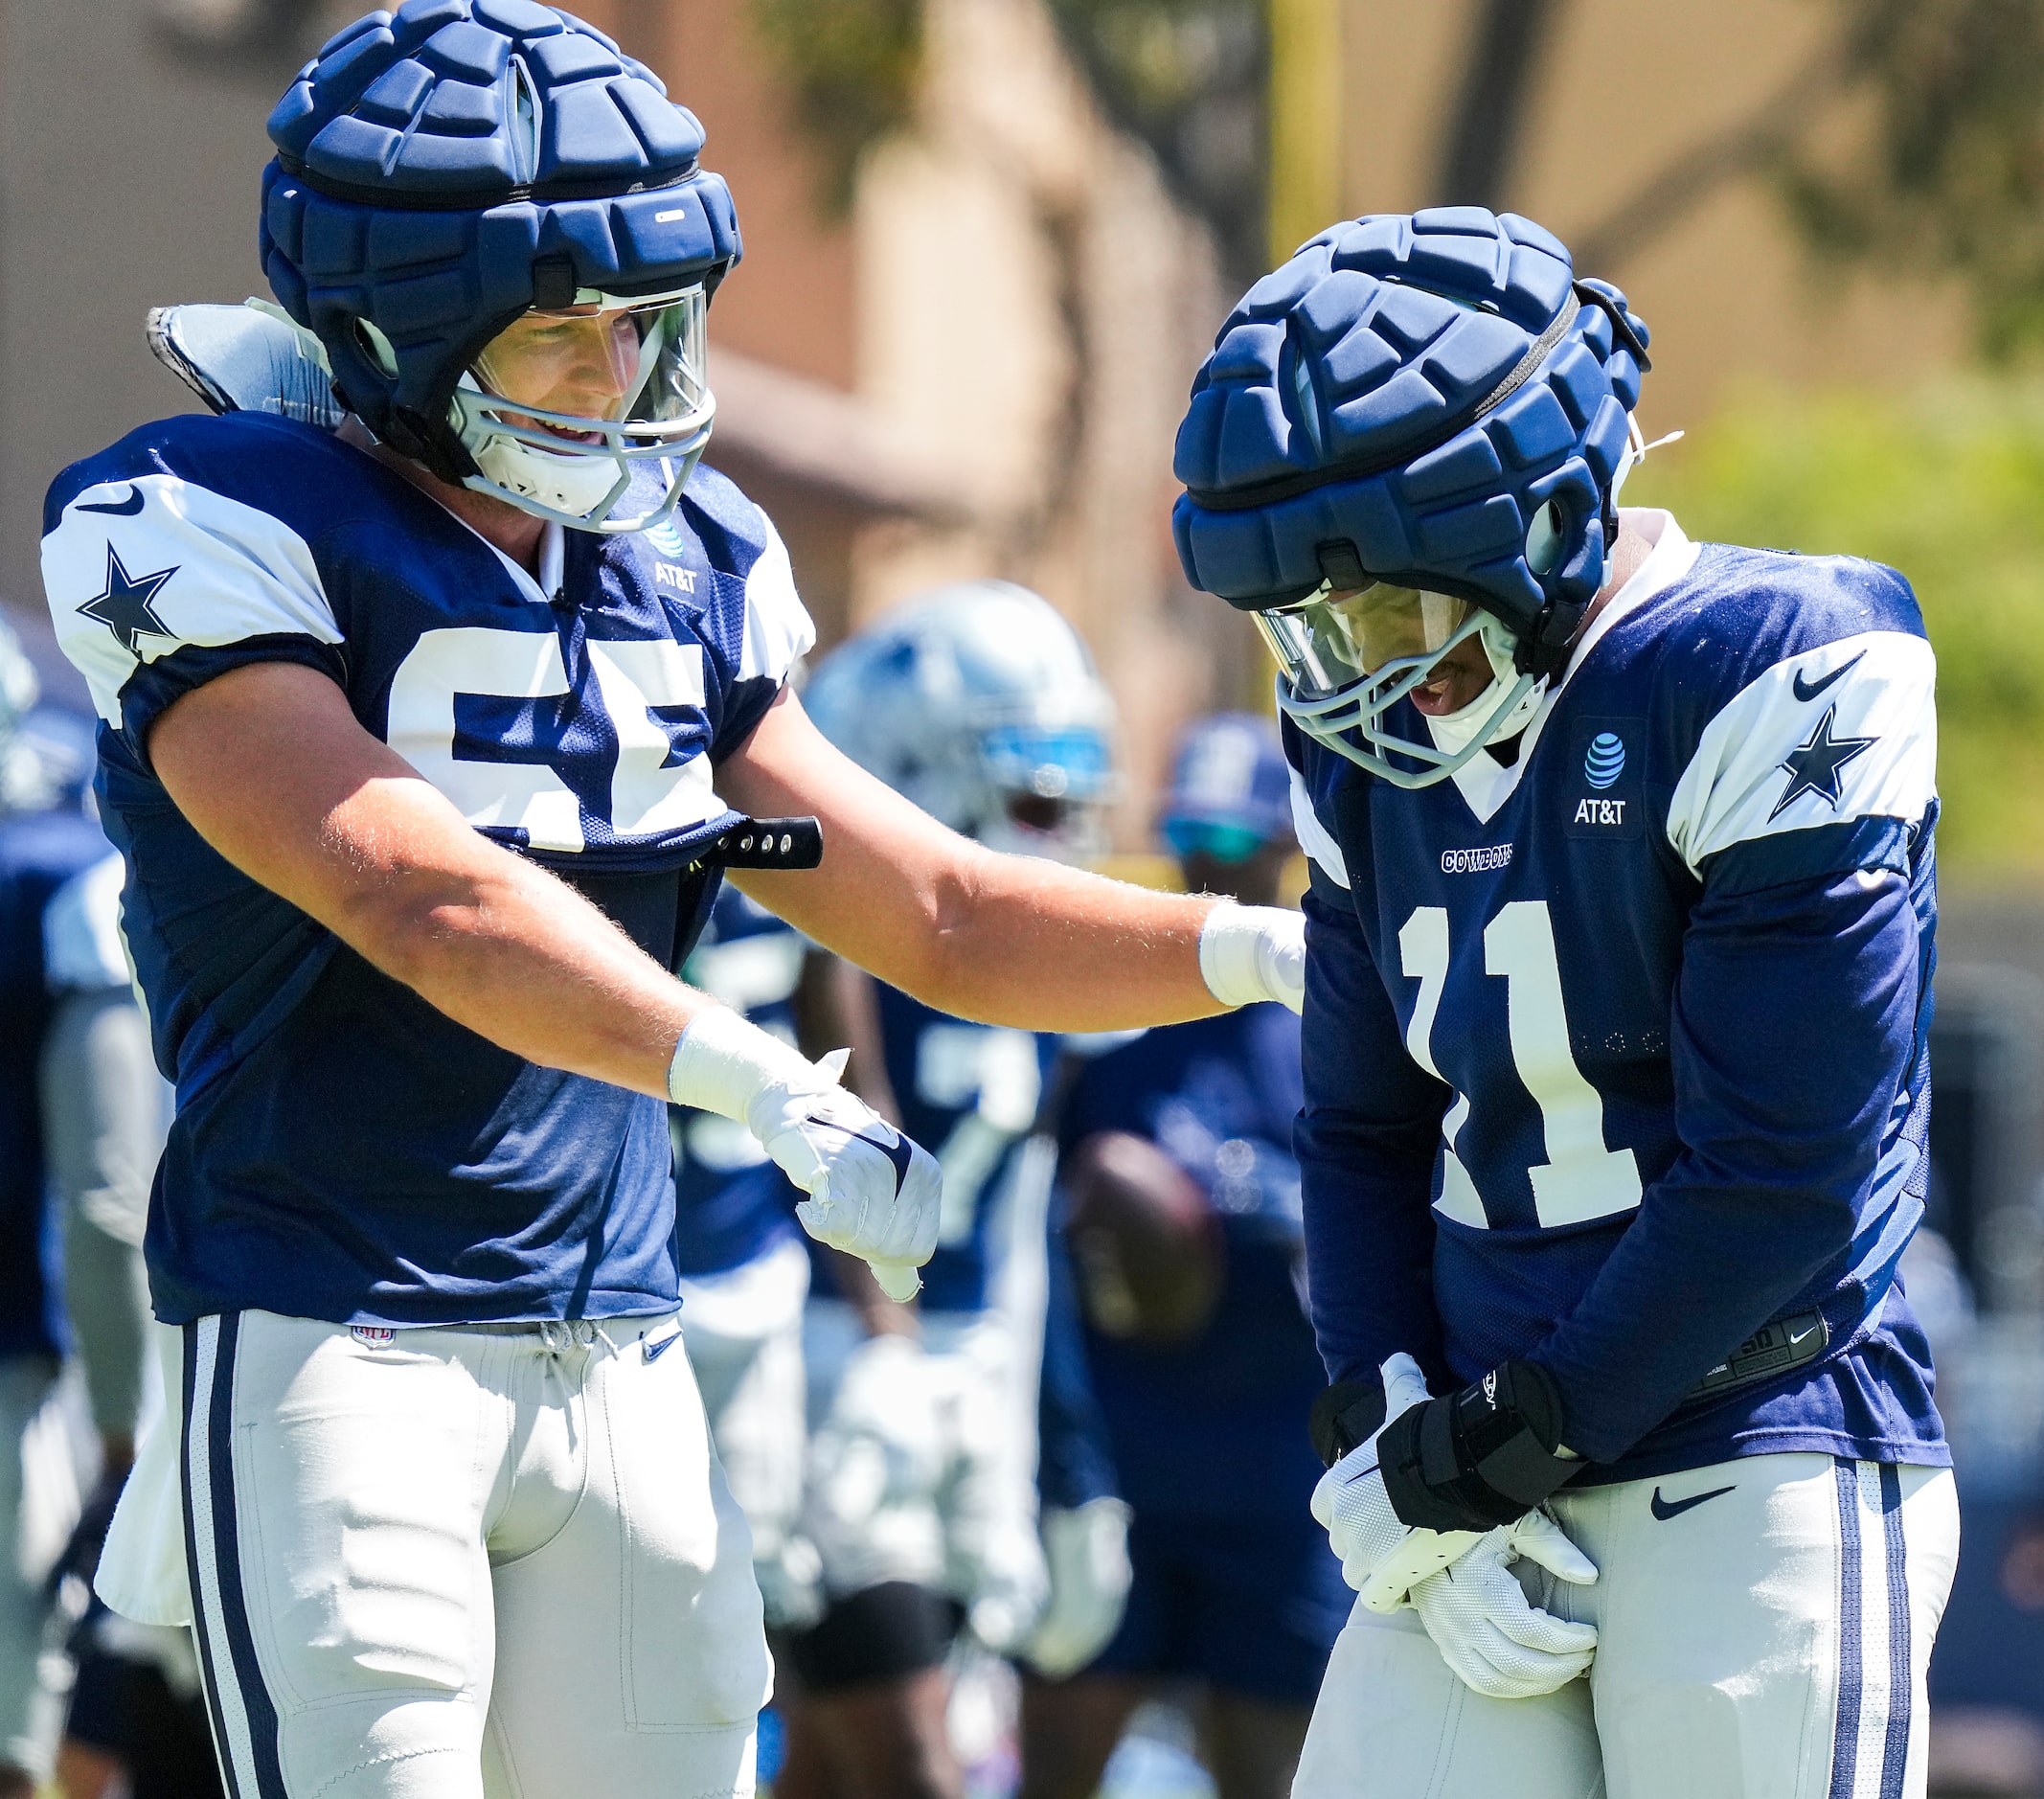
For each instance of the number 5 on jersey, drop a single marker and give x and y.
(1581, 1179)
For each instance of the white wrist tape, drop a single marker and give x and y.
(723, 1063)
(1253, 953)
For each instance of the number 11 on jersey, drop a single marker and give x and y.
(1581, 1179)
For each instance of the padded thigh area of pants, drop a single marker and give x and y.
(1392, 1721)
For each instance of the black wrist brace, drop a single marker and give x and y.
(1345, 1417)
(1478, 1458)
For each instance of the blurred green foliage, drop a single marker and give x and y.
(1947, 485)
(1948, 173)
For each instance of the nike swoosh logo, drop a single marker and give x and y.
(1801, 1337)
(900, 1153)
(121, 509)
(1364, 1475)
(1811, 689)
(654, 1350)
(1665, 1509)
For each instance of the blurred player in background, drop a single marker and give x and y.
(1620, 941)
(744, 1272)
(979, 703)
(1183, 1226)
(81, 1116)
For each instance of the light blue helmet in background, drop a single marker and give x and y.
(980, 703)
(23, 781)
(1230, 791)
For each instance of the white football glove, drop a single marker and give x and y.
(1382, 1557)
(993, 1557)
(1087, 1549)
(876, 1460)
(1489, 1632)
(1251, 953)
(873, 1193)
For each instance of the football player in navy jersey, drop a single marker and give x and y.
(1620, 943)
(980, 703)
(745, 1274)
(80, 1121)
(425, 741)
(1184, 1221)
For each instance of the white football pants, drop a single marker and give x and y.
(1763, 1631)
(492, 1560)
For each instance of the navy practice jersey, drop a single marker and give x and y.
(42, 856)
(731, 1202)
(1617, 1055)
(342, 1151)
(968, 1094)
(1216, 1426)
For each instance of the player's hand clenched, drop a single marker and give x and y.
(1495, 1639)
(1382, 1557)
(873, 1193)
(1459, 1581)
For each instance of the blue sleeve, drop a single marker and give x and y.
(1075, 1460)
(1795, 1029)
(1366, 1141)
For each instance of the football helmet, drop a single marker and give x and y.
(979, 703)
(1409, 439)
(1230, 793)
(496, 225)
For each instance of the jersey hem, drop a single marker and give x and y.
(629, 1306)
(1913, 1452)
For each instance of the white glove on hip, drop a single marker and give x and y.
(1087, 1549)
(1494, 1638)
(1251, 953)
(1382, 1557)
(873, 1193)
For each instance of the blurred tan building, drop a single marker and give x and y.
(978, 367)
(1627, 91)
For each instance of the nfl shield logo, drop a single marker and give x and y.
(374, 1336)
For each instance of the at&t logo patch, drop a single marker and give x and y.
(1605, 762)
(1603, 799)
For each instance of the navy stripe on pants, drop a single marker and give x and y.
(244, 1718)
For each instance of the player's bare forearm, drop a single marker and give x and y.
(1007, 940)
(340, 825)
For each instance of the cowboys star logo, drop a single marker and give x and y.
(1815, 765)
(128, 607)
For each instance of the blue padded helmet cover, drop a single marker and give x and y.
(1348, 423)
(442, 169)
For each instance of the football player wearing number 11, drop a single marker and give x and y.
(422, 741)
(1618, 976)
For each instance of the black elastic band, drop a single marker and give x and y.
(475, 199)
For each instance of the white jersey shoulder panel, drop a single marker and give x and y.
(1848, 729)
(779, 631)
(1314, 837)
(185, 566)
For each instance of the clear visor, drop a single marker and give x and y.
(1339, 636)
(615, 362)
